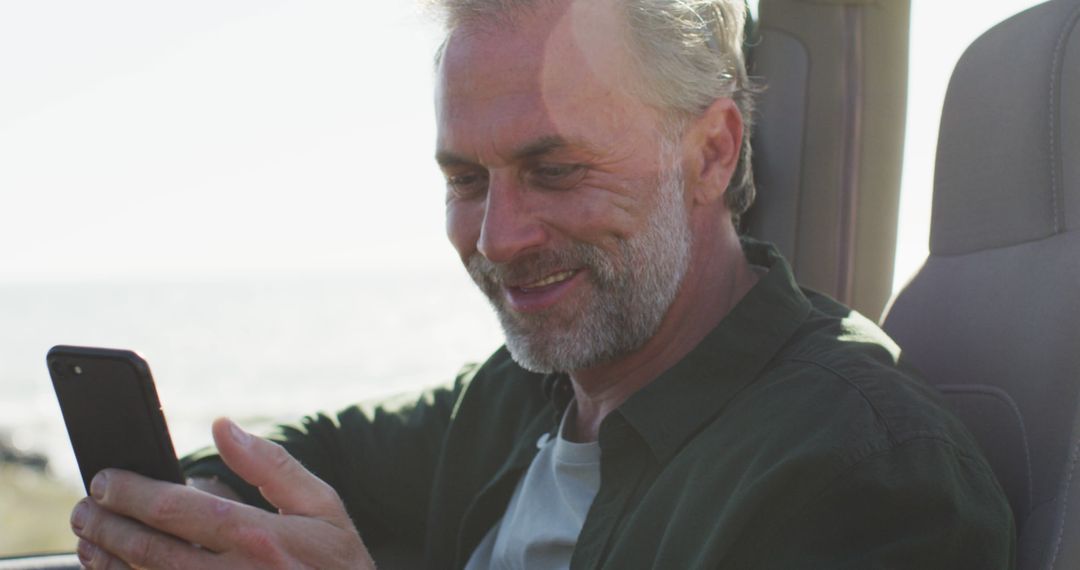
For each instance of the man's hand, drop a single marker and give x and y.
(132, 521)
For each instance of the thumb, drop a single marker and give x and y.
(284, 482)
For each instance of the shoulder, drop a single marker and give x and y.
(836, 396)
(837, 435)
(852, 372)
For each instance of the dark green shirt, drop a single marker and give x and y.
(791, 437)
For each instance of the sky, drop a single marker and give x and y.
(180, 138)
(216, 137)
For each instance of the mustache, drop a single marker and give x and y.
(490, 276)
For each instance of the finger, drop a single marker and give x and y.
(215, 487)
(95, 558)
(284, 482)
(113, 541)
(184, 512)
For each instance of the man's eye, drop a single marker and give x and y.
(465, 185)
(556, 176)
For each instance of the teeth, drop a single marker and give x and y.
(563, 276)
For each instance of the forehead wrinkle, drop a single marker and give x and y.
(596, 34)
(548, 144)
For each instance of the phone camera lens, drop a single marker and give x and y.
(76, 369)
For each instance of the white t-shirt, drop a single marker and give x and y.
(544, 518)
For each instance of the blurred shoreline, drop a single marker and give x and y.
(34, 505)
(12, 455)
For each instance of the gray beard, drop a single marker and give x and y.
(630, 292)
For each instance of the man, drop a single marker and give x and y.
(668, 398)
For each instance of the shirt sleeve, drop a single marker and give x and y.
(381, 462)
(921, 504)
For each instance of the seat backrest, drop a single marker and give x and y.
(993, 317)
(829, 141)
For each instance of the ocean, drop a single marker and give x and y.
(261, 349)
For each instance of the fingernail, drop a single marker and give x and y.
(98, 485)
(87, 552)
(239, 436)
(79, 515)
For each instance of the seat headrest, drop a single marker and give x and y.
(1008, 159)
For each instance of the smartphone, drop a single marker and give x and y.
(112, 412)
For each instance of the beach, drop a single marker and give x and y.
(261, 349)
(34, 511)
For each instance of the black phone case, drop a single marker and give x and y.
(112, 412)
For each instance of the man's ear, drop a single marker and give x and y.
(712, 144)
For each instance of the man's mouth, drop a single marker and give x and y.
(535, 296)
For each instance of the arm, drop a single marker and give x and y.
(381, 463)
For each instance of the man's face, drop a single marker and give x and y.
(562, 199)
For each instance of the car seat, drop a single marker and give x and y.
(993, 317)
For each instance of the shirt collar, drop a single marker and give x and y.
(681, 400)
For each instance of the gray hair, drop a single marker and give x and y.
(689, 54)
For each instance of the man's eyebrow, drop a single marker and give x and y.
(446, 158)
(531, 150)
(540, 147)
(552, 143)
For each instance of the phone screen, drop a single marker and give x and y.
(112, 412)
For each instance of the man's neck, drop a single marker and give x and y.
(708, 293)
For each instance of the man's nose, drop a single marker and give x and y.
(510, 225)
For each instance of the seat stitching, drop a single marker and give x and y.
(1053, 138)
(1065, 507)
(1054, 72)
(1065, 33)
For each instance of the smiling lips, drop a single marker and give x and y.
(542, 293)
(549, 280)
